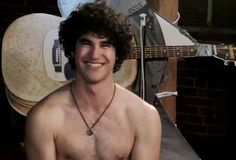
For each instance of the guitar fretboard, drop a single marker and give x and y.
(163, 52)
(224, 52)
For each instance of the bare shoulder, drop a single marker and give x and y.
(138, 109)
(49, 109)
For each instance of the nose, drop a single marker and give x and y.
(95, 51)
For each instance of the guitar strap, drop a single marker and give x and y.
(155, 71)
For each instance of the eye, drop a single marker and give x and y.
(84, 41)
(106, 44)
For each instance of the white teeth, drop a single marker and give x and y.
(94, 64)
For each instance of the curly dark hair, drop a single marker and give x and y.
(97, 18)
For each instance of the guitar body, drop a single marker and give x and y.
(22, 60)
(172, 34)
(33, 62)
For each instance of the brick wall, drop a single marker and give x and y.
(206, 106)
(206, 87)
(205, 100)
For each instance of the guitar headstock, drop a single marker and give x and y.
(227, 53)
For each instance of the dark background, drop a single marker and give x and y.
(206, 87)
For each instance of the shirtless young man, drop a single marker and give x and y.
(92, 118)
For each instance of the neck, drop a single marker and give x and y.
(93, 96)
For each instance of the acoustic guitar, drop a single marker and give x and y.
(34, 65)
(33, 61)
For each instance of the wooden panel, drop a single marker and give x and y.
(168, 9)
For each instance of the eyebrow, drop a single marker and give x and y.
(84, 39)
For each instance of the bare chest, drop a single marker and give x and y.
(111, 140)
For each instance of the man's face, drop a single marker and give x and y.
(94, 58)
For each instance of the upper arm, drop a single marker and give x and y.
(39, 139)
(148, 137)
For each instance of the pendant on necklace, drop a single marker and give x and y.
(89, 132)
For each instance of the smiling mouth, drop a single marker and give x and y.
(94, 65)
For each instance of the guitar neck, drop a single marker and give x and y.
(163, 52)
(224, 52)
